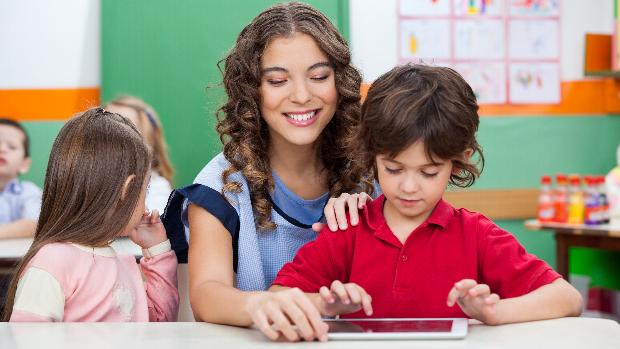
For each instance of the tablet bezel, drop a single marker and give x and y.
(458, 331)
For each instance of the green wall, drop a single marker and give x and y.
(42, 135)
(166, 52)
(518, 150)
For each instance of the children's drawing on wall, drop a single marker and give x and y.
(534, 39)
(534, 83)
(425, 7)
(479, 39)
(479, 7)
(425, 39)
(487, 80)
(507, 50)
(535, 8)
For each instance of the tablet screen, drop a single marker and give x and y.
(387, 326)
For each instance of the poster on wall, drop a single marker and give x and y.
(487, 80)
(425, 7)
(507, 50)
(425, 39)
(534, 39)
(476, 39)
(478, 8)
(534, 8)
(534, 83)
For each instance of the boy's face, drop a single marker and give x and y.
(13, 160)
(412, 183)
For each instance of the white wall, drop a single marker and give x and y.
(49, 44)
(373, 30)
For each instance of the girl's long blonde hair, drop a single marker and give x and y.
(83, 202)
(149, 126)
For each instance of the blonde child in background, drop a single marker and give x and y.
(94, 192)
(412, 254)
(20, 201)
(147, 122)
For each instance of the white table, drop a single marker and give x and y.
(12, 250)
(564, 333)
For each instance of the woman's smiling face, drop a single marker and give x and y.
(297, 89)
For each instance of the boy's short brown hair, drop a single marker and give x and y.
(17, 125)
(419, 102)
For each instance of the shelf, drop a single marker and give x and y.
(604, 73)
(578, 229)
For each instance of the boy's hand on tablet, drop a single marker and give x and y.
(344, 299)
(288, 312)
(476, 301)
(336, 208)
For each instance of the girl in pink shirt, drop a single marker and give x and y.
(94, 192)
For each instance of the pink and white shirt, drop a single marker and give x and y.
(74, 283)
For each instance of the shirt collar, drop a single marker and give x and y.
(106, 251)
(441, 215)
(373, 213)
(13, 187)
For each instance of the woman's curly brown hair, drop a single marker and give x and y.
(243, 131)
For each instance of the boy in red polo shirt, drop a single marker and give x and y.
(413, 254)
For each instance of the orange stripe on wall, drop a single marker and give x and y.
(48, 104)
(578, 97)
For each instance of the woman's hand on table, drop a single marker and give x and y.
(288, 312)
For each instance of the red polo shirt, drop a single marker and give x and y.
(413, 280)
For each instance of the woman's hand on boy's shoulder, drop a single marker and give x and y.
(476, 301)
(150, 231)
(336, 208)
(342, 298)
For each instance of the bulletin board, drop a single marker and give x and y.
(507, 50)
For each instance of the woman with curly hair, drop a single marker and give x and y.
(293, 101)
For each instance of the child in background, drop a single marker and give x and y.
(20, 201)
(94, 192)
(146, 120)
(413, 254)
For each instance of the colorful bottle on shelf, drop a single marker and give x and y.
(612, 184)
(602, 199)
(592, 212)
(576, 202)
(560, 199)
(546, 209)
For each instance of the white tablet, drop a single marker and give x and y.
(397, 329)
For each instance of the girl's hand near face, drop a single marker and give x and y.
(336, 208)
(287, 312)
(476, 301)
(150, 231)
(344, 299)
